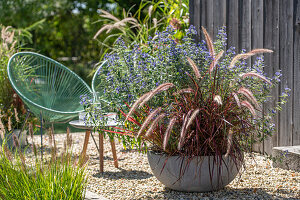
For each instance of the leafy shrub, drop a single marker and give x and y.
(214, 113)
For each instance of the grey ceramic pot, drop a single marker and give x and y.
(194, 176)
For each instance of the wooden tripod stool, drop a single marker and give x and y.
(88, 129)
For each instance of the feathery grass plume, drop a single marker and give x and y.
(2, 135)
(50, 138)
(83, 161)
(117, 25)
(250, 107)
(168, 132)
(229, 143)
(215, 61)
(53, 148)
(194, 67)
(239, 57)
(16, 141)
(69, 138)
(150, 10)
(135, 105)
(209, 42)
(160, 88)
(193, 116)
(16, 115)
(7, 152)
(236, 99)
(218, 99)
(256, 51)
(253, 74)
(154, 23)
(183, 130)
(2, 129)
(247, 55)
(148, 119)
(154, 123)
(30, 129)
(17, 145)
(186, 90)
(247, 93)
(6, 35)
(9, 124)
(108, 15)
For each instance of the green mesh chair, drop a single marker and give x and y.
(49, 89)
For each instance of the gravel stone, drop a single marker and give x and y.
(134, 179)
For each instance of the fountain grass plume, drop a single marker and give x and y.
(194, 67)
(253, 74)
(250, 107)
(215, 61)
(183, 130)
(247, 93)
(168, 132)
(154, 123)
(147, 120)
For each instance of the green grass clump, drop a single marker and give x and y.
(61, 178)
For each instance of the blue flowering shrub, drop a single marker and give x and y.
(128, 73)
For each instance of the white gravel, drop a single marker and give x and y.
(134, 180)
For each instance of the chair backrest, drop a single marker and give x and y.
(98, 88)
(109, 100)
(46, 86)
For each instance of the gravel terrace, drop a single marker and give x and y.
(134, 180)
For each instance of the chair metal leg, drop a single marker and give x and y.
(94, 141)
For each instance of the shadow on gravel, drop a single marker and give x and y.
(124, 174)
(105, 158)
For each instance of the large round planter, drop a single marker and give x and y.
(201, 174)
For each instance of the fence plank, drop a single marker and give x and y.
(296, 114)
(207, 16)
(257, 39)
(233, 23)
(195, 11)
(219, 15)
(245, 23)
(271, 41)
(286, 66)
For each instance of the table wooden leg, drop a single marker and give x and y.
(85, 144)
(101, 159)
(113, 149)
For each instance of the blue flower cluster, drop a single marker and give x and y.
(132, 71)
(85, 99)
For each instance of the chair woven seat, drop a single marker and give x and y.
(47, 87)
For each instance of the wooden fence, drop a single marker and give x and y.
(272, 24)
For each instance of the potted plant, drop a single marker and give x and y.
(204, 113)
(199, 133)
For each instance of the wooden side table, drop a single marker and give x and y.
(88, 129)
